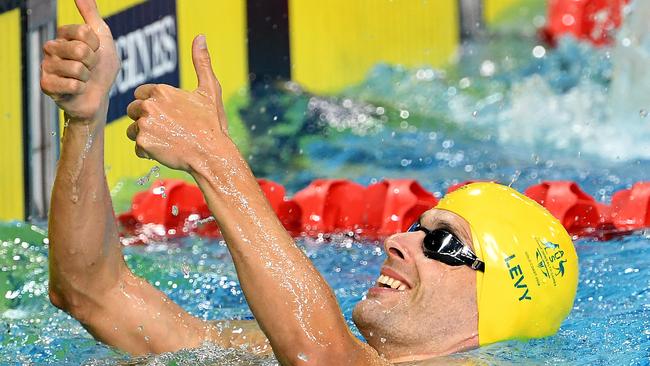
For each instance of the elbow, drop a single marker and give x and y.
(71, 303)
(56, 298)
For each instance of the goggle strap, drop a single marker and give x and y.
(478, 265)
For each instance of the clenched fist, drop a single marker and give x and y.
(80, 65)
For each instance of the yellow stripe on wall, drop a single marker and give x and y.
(493, 9)
(11, 119)
(335, 43)
(67, 12)
(224, 24)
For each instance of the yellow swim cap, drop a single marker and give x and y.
(531, 266)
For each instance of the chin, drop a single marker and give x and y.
(375, 323)
(363, 319)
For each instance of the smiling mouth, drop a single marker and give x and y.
(389, 282)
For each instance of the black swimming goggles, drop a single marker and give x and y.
(445, 247)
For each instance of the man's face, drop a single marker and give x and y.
(434, 309)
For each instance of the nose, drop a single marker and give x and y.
(404, 246)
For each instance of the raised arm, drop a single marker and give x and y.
(88, 276)
(293, 304)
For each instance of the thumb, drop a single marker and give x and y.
(202, 64)
(90, 13)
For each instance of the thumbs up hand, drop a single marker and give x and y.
(80, 65)
(181, 129)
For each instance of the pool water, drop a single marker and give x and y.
(509, 111)
(610, 322)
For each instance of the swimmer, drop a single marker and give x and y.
(486, 265)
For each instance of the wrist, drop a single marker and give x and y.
(94, 120)
(215, 158)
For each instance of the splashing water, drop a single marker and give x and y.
(303, 357)
(153, 172)
(567, 113)
(608, 324)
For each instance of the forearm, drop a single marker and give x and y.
(291, 301)
(88, 276)
(84, 248)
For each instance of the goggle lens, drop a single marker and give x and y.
(445, 247)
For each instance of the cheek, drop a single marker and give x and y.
(444, 285)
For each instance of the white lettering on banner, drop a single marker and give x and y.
(146, 54)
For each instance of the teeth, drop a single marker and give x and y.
(391, 282)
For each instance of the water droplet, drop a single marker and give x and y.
(464, 83)
(382, 339)
(568, 19)
(515, 177)
(154, 171)
(626, 42)
(174, 210)
(643, 113)
(487, 68)
(539, 51)
(303, 357)
(535, 158)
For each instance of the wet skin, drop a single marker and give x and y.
(436, 313)
(293, 305)
(88, 276)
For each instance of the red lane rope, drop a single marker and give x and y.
(173, 208)
(590, 20)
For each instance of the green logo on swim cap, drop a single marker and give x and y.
(550, 260)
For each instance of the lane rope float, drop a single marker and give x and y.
(172, 208)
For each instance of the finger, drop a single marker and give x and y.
(135, 110)
(132, 131)
(202, 64)
(144, 91)
(79, 32)
(56, 85)
(90, 13)
(66, 69)
(208, 82)
(72, 50)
